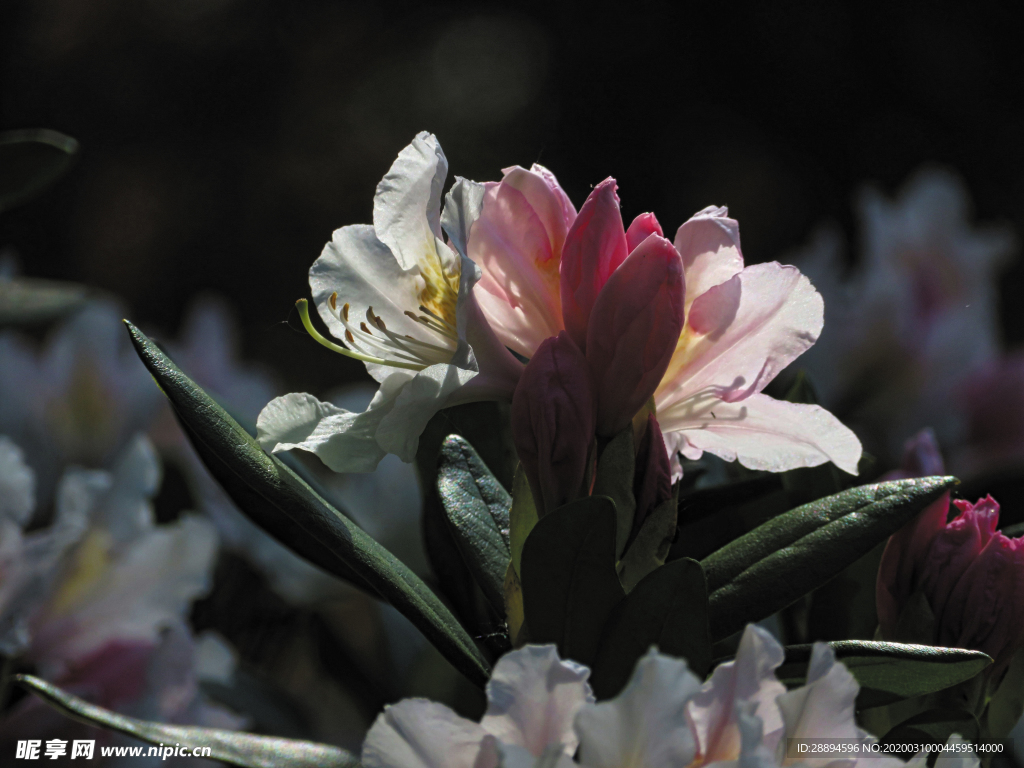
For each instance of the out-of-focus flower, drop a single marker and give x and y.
(741, 326)
(400, 299)
(663, 717)
(970, 574)
(97, 601)
(992, 401)
(553, 419)
(910, 326)
(17, 484)
(77, 401)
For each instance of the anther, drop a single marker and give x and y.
(334, 301)
(344, 311)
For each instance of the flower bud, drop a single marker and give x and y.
(644, 225)
(594, 247)
(553, 415)
(633, 331)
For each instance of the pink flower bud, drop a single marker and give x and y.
(633, 331)
(553, 417)
(643, 225)
(652, 483)
(594, 247)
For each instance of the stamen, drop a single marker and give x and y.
(303, 306)
(436, 317)
(344, 311)
(334, 301)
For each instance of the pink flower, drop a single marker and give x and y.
(553, 416)
(971, 574)
(545, 269)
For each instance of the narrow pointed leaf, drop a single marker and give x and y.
(30, 160)
(246, 750)
(889, 672)
(568, 577)
(668, 609)
(767, 569)
(477, 507)
(278, 500)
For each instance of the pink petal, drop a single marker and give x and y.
(633, 330)
(710, 246)
(741, 333)
(594, 248)
(564, 203)
(416, 733)
(643, 226)
(512, 244)
(766, 434)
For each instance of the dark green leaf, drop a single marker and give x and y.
(568, 577)
(889, 672)
(27, 301)
(934, 726)
(242, 749)
(29, 161)
(277, 499)
(767, 569)
(615, 469)
(478, 514)
(668, 609)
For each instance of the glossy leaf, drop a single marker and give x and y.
(668, 609)
(477, 507)
(242, 749)
(30, 160)
(767, 569)
(568, 577)
(278, 500)
(890, 672)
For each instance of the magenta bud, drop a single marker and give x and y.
(594, 247)
(553, 416)
(633, 331)
(643, 226)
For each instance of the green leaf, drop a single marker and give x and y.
(478, 514)
(242, 749)
(1007, 703)
(522, 517)
(278, 500)
(934, 726)
(30, 161)
(27, 301)
(767, 569)
(568, 577)
(890, 672)
(647, 552)
(668, 609)
(615, 469)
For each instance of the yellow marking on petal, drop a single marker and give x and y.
(91, 563)
(440, 290)
(689, 344)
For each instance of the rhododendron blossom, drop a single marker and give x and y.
(543, 268)
(541, 713)
(399, 299)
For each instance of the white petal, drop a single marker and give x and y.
(749, 678)
(512, 756)
(709, 243)
(766, 434)
(17, 483)
(364, 273)
(407, 206)
(416, 733)
(645, 726)
(957, 759)
(343, 440)
(462, 206)
(412, 407)
(533, 698)
(741, 333)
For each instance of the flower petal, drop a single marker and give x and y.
(417, 401)
(749, 678)
(407, 205)
(416, 733)
(519, 260)
(709, 243)
(533, 698)
(645, 726)
(594, 248)
(17, 484)
(764, 433)
(633, 331)
(741, 333)
(643, 226)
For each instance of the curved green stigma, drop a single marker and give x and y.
(303, 306)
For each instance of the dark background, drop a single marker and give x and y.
(223, 140)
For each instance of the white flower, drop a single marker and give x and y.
(400, 300)
(741, 718)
